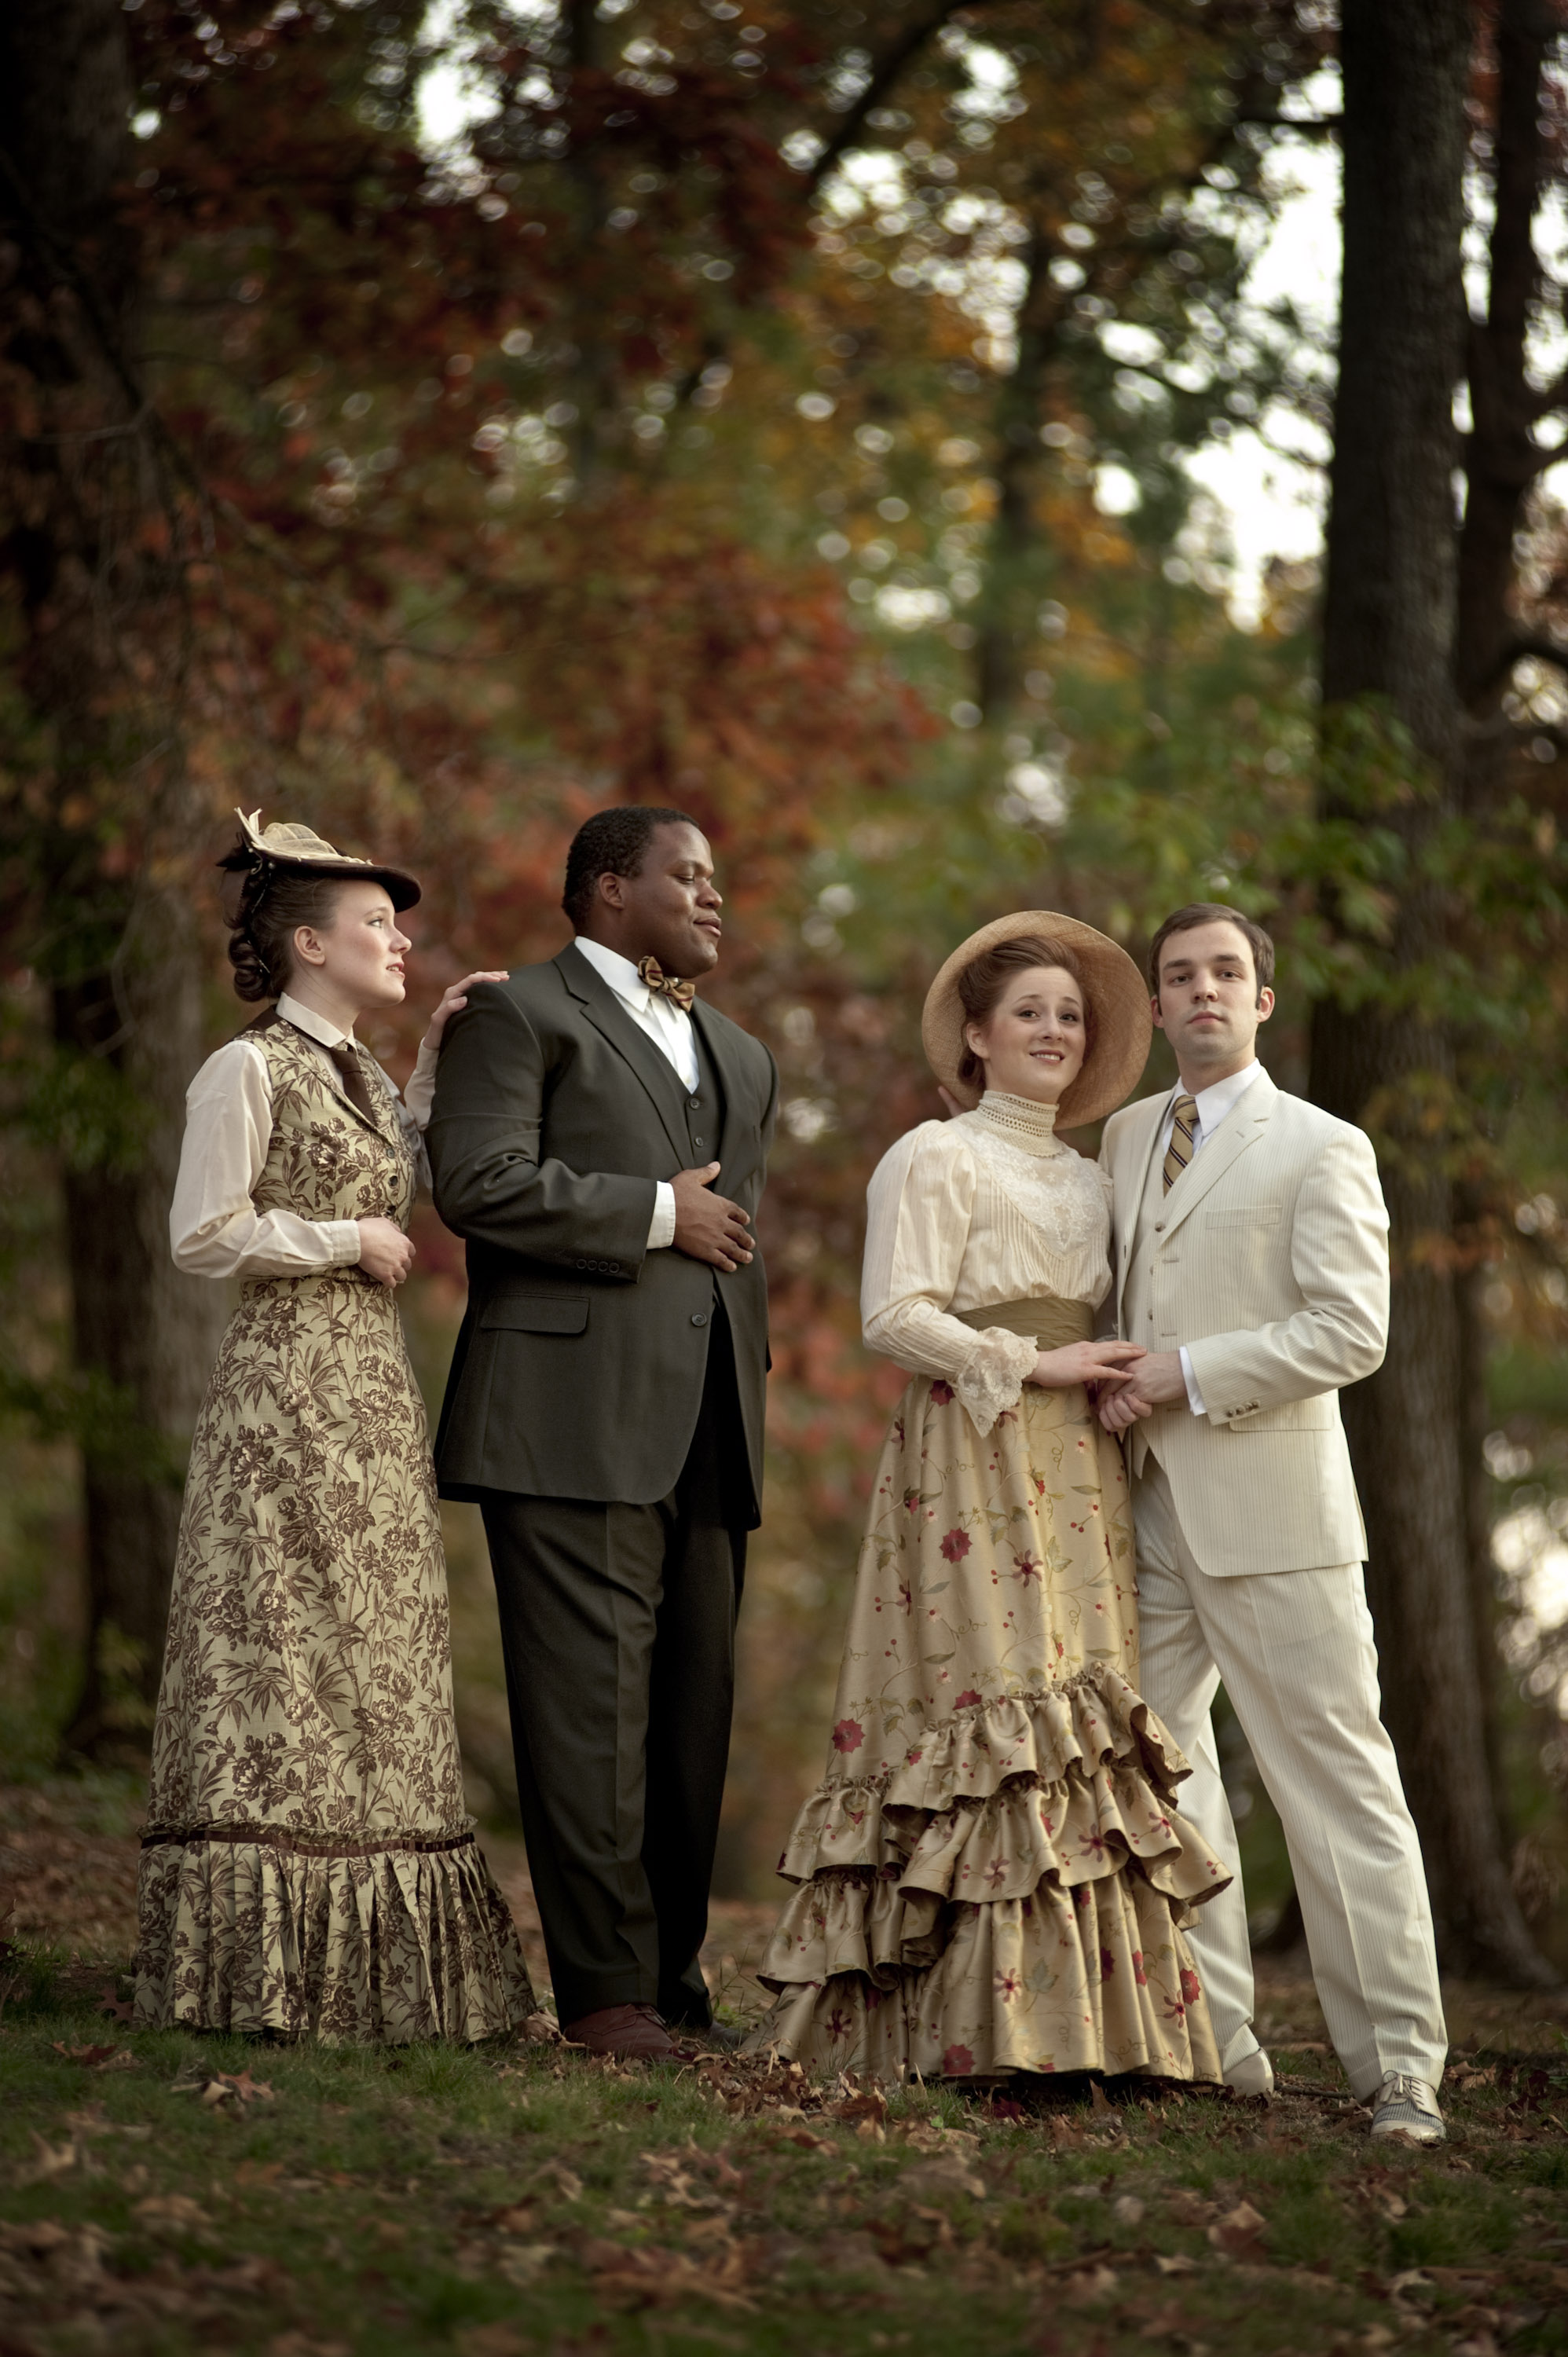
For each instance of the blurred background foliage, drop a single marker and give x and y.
(784, 410)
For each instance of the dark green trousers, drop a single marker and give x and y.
(618, 1627)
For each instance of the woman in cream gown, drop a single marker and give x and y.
(992, 1875)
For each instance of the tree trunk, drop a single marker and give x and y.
(1502, 460)
(1501, 455)
(85, 494)
(1015, 558)
(1390, 611)
(143, 1335)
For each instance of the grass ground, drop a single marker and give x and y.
(169, 2194)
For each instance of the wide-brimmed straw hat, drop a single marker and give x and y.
(1117, 992)
(301, 848)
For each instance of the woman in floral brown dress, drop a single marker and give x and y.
(309, 1865)
(992, 1877)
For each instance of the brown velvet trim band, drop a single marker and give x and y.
(304, 1844)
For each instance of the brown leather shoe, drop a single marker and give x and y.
(632, 2033)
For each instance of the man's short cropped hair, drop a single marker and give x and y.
(611, 843)
(1215, 912)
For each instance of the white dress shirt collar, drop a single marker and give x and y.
(1221, 1097)
(315, 1026)
(654, 1012)
(621, 972)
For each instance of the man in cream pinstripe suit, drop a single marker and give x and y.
(1250, 1258)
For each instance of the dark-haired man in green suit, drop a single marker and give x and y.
(600, 1137)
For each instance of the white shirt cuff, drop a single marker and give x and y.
(1194, 1396)
(662, 1227)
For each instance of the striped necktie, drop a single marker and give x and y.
(1178, 1153)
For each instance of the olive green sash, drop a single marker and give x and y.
(1049, 1323)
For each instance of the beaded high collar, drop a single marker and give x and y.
(1021, 1121)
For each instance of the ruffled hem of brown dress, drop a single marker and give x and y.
(379, 1942)
(1012, 1896)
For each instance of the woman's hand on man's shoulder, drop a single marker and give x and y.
(453, 1000)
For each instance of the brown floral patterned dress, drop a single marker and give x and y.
(309, 1865)
(993, 1875)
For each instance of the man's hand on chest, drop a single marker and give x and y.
(709, 1227)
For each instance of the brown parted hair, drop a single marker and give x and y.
(263, 905)
(1215, 912)
(982, 981)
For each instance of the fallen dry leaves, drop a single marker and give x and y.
(68, 2272)
(172, 2214)
(1238, 2229)
(97, 2057)
(946, 2172)
(220, 2087)
(659, 2278)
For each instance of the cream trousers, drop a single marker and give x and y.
(1295, 1650)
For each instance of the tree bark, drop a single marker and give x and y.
(1389, 624)
(89, 563)
(1502, 457)
(1016, 556)
(1502, 460)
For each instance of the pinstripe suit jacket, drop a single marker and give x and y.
(1269, 1260)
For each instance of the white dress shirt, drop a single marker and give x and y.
(1213, 1105)
(215, 1229)
(670, 1029)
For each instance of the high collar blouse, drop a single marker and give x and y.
(988, 1208)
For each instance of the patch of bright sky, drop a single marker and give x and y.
(453, 93)
(1530, 1551)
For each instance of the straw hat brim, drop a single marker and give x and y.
(304, 853)
(1118, 995)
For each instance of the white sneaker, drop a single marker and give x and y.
(1252, 2074)
(1407, 2107)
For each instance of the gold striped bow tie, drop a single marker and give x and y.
(1178, 1153)
(649, 971)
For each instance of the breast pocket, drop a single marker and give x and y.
(1244, 1215)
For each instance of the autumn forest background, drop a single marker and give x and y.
(796, 412)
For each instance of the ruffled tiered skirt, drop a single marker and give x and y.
(992, 1877)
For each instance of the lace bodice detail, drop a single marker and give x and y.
(987, 1208)
(1062, 1196)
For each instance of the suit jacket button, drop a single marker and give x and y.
(695, 1104)
(696, 1141)
(699, 1318)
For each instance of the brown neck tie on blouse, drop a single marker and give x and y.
(356, 1087)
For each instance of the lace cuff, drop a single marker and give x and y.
(992, 1376)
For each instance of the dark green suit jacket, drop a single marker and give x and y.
(579, 1369)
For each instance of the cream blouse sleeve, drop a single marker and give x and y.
(215, 1229)
(919, 1205)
